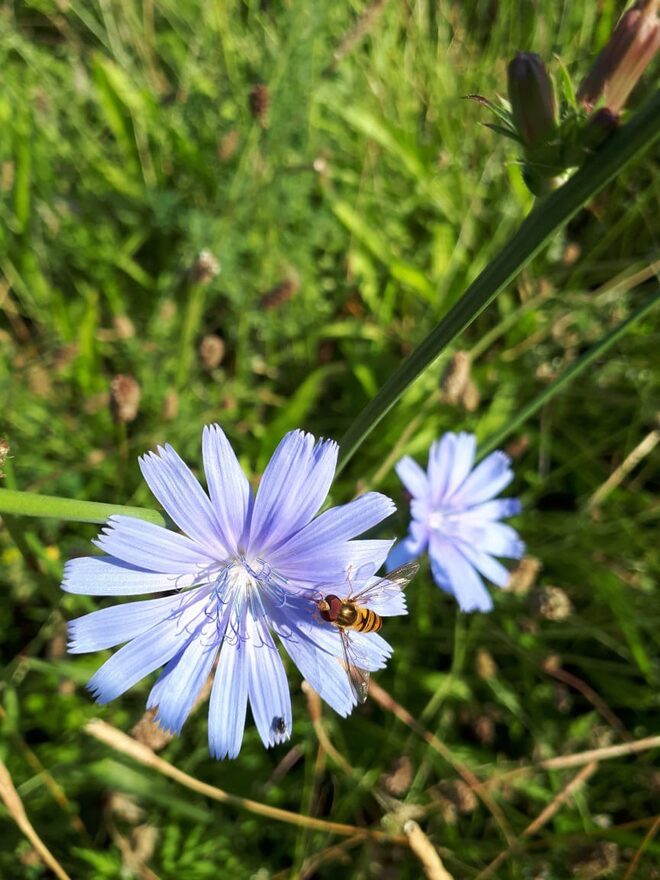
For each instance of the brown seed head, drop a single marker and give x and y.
(125, 396)
(524, 576)
(4, 452)
(484, 665)
(551, 603)
(280, 294)
(455, 377)
(398, 780)
(259, 102)
(205, 268)
(211, 351)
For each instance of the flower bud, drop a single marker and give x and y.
(532, 99)
(630, 49)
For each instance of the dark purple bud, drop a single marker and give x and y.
(532, 99)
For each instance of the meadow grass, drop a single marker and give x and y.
(345, 221)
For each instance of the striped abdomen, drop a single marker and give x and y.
(368, 621)
(349, 615)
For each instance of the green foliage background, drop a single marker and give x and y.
(128, 147)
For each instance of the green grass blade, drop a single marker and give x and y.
(31, 504)
(535, 231)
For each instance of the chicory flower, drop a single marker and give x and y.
(245, 569)
(456, 517)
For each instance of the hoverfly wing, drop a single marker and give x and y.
(389, 585)
(358, 678)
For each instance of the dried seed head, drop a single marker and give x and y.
(124, 327)
(125, 395)
(4, 452)
(600, 862)
(518, 447)
(170, 405)
(284, 291)
(259, 102)
(471, 396)
(147, 732)
(398, 780)
(484, 730)
(484, 665)
(551, 603)
(205, 268)
(211, 351)
(632, 46)
(455, 377)
(523, 577)
(227, 146)
(460, 793)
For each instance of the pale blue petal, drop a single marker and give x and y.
(105, 576)
(268, 687)
(229, 695)
(465, 446)
(390, 605)
(293, 487)
(150, 650)
(334, 526)
(500, 508)
(183, 681)
(371, 651)
(121, 623)
(323, 672)
(178, 490)
(453, 573)
(151, 547)
(136, 660)
(413, 477)
(496, 538)
(329, 564)
(485, 481)
(229, 488)
(441, 461)
(405, 551)
(488, 566)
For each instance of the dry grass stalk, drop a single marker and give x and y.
(563, 762)
(631, 461)
(126, 745)
(544, 817)
(16, 810)
(426, 853)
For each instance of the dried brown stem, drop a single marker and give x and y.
(125, 744)
(426, 853)
(589, 694)
(563, 762)
(648, 837)
(16, 810)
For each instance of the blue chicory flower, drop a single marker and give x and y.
(246, 568)
(456, 516)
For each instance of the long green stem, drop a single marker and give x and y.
(564, 378)
(31, 504)
(534, 232)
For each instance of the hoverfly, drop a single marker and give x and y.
(351, 613)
